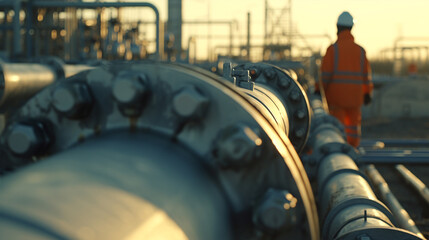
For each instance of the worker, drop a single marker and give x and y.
(346, 79)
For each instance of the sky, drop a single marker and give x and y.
(378, 23)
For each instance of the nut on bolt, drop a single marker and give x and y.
(283, 82)
(190, 103)
(300, 114)
(237, 146)
(276, 211)
(130, 92)
(129, 89)
(26, 139)
(270, 73)
(72, 99)
(363, 237)
(294, 96)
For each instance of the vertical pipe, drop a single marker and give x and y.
(53, 4)
(174, 24)
(248, 36)
(16, 29)
(398, 211)
(230, 38)
(290, 27)
(29, 29)
(266, 23)
(418, 185)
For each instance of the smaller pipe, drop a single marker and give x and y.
(404, 220)
(248, 37)
(20, 81)
(86, 5)
(397, 142)
(392, 159)
(16, 28)
(417, 184)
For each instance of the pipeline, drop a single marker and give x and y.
(21, 81)
(348, 208)
(156, 150)
(414, 181)
(131, 149)
(404, 220)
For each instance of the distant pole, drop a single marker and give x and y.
(290, 26)
(16, 29)
(248, 36)
(174, 24)
(266, 23)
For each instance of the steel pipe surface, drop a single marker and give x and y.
(20, 81)
(414, 181)
(87, 119)
(115, 187)
(349, 209)
(404, 220)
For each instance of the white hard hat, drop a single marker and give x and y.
(345, 19)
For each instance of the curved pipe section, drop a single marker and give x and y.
(270, 105)
(118, 186)
(238, 147)
(21, 81)
(348, 207)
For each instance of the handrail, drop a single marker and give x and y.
(48, 4)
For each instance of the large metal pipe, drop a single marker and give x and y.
(417, 184)
(404, 220)
(57, 4)
(20, 81)
(83, 122)
(348, 207)
(118, 186)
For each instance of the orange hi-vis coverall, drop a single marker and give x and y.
(346, 78)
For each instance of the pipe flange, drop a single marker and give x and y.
(312, 162)
(293, 95)
(335, 147)
(327, 119)
(214, 104)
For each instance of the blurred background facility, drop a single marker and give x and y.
(93, 92)
(207, 33)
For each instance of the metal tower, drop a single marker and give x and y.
(278, 31)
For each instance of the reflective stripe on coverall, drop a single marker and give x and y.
(346, 79)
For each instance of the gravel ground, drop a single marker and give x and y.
(403, 129)
(396, 129)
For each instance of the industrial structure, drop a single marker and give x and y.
(108, 134)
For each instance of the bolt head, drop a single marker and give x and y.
(276, 210)
(299, 133)
(237, 146)
(363, 237)
(270, 73)
(294, 96)
(129, 90)
(72, 99)
(283, 82)
(300, 114)
(189, 103)
(26, 139)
